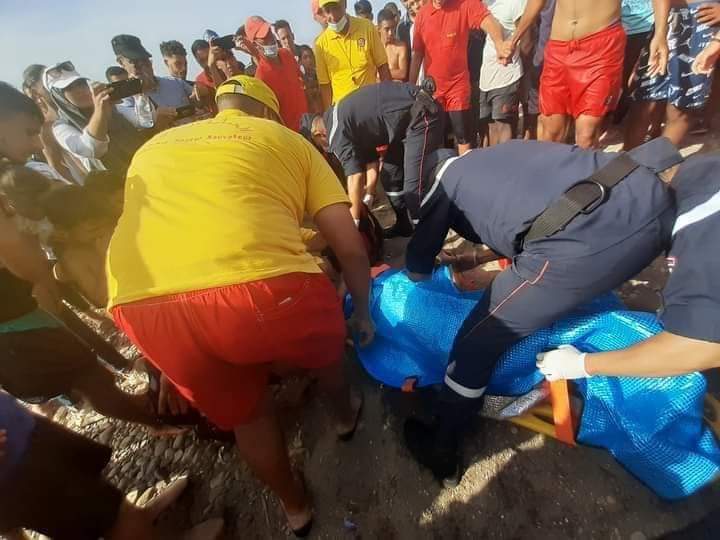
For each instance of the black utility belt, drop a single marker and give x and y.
(582, 198)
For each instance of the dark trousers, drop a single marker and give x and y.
(402, 170)
(536, 291)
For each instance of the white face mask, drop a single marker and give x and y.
(339, 26)
(270, 51)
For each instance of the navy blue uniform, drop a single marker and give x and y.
(691, 298)
(492, 196)
(386, 114)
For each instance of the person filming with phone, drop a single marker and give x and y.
(88, 126)
(155, 107)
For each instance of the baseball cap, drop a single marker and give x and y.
(252, 88)
(60, 76)
(130, 47)
(323, 3)
(256, 27)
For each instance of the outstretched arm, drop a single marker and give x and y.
(663, 355)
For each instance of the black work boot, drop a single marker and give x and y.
(437, 446)
(443, 460)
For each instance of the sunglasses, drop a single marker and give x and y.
(58, 69)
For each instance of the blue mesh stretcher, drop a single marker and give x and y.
(653, 427)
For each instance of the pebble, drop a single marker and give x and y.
(106, 436)
(146, 496)
(178, 442)
(169, 455)
(189, 454)
(132, 496)
(178, 456)
(126, 442)
(217, 481)
(160, 448)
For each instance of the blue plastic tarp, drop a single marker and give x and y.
(653, 427)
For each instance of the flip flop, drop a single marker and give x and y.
(348, 435)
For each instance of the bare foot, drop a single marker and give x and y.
(346, 428)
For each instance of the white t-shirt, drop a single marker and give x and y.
(493, 75)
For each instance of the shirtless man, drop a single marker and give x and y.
(397, 51)
(582, 72)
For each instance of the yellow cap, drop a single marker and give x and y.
(252, 88)
(323, 3)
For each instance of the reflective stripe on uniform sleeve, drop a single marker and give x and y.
(438, 177)
(333, 129)
(699, 213)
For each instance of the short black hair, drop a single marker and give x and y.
(241, 31)
(392, 6)
(199, 44)
(363, 6)
(172, 48)
(32, 75)
(385, 15)
(282, 23)
(115, 71)
(14, 102)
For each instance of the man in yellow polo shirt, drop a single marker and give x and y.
(349, 54)
(209, 277)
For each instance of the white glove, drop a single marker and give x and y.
(566, 362)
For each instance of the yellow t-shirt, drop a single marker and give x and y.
(349, 61)
(215, 203)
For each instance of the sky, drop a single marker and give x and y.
(52, 31)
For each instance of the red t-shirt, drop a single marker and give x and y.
(205, 80)
(286, 80)
(443, 34)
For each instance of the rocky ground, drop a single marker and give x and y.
(519, 485)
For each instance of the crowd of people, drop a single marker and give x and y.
(218, 222)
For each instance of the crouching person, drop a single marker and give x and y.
(209, 276)
(51, 482)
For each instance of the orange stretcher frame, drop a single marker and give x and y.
(554, 419)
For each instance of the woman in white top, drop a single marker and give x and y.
(88, 126)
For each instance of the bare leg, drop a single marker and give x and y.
(262, 445)
(483, 132)
(530, 126)
(554, 127)
(677, 124)
(587, 131)
(343, 404)
(500, 132)
(99, 389)
(638, 120)
(464, 148)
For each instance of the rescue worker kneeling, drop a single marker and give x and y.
(576, 224)
(407, 119)
(691, 299)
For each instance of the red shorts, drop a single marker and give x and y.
(583, 76)
(218, 345)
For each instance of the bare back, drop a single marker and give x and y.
(575, 19)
